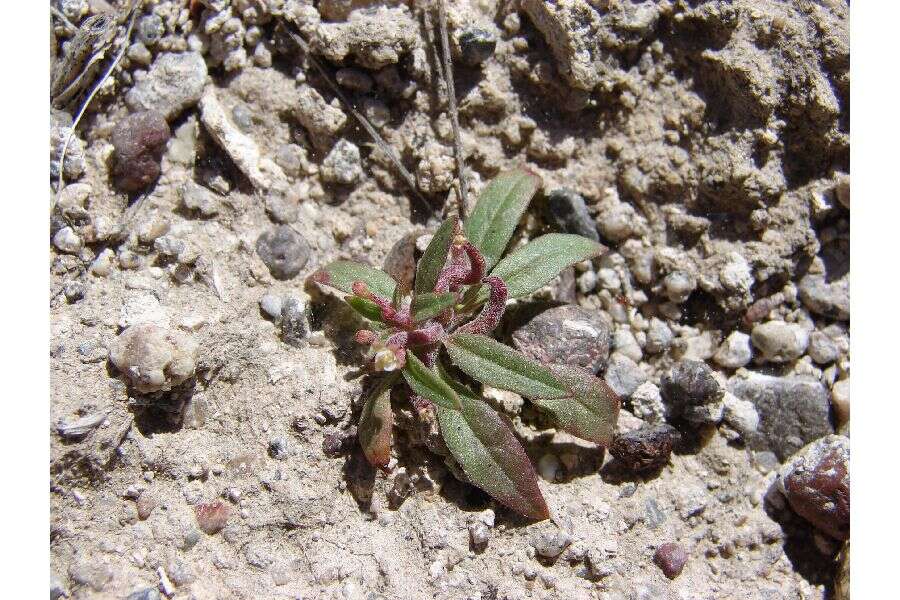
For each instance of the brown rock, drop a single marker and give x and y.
(569, 335)
(212, 516)
(145, 504)
(139, 141)
(670, 557)
(816, 483)
(644, 449)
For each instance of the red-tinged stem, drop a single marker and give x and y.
(388, 312)
(427, 335)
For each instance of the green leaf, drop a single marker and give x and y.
(366, 308)
(589, 411)
(534, 265)
(499, 208)
(375, 424)
(428, 306)
(428, 384)
(490, 362)
(342, 273)
(492, 458)
(435, 257)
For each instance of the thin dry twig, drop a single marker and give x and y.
(90, 98)
(361, 118)
(454, 113)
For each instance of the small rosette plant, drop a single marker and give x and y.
(460, 290)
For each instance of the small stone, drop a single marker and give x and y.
(740, 415)
(678, 286)
(690, 391)
(173, 83)
(66, 240)
(780, 341)
(587, 282)
(647, 404)
(659, 337)
(180, 572)
(625, 343)
(294, 326)
(840, 400)
(150, 593)
(816, 483)
(735, 352)
(793, 411)
(829, 299)
(73, 291)
(645, 449)
(212, 516)
(278, 449)
(343, 164)
(567, 210)
(145, 504)
(435, 171)
(154, 358)
(822, 349)
(139, 141)
(283, 251)
(91, 573)
(476, 46)
(282, 208)
(567, 334)
(670, 558)
(623, 375)
(549, 466)
(270, 304)
(354, 79)
(479, 534)
(550, 541)
(150, 29)
(196, 198)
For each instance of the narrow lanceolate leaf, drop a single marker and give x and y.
(428, 306)
(435, 256)
(427, 383)
(366, 308)
(375, 424)
(492, 458)
(590, 409)
(494, 364)
(341, 275)
(501, 204)
(534, 265)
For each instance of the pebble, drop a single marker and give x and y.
(294, 326)
(735, 352)
(625, 343)
(139, 141)
(282, 208)
(476, 45)
(342, 165)
(278, 449)
(549, 466)
(196, 198)
(793, 411)
(212, 516)
(647, 404)
(840, 400)
(174, 83)
(623, 375)
(567, 334)
(645, 449)
(354, 79)
(587, 282)
(670, 558)
(567, 210)
(550, 541)
(480, 529)
(66, 240)
(270, 305)
(102, 265)
(816, 483)
(150, 593)
(691, 391)
(180, 572)
(659, 337)
(740, 415)
(678, 286)
(822, 349)
(779, 341)
(154, 358)
(145, 504)
(829, 299)
(150, 29)
(283, 251)
(73, 291)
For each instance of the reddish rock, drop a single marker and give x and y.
(145, 504)
(139, 141)
(568, 335)
(212, 516)
(816, 483)
(644, 449)
(670, 557)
